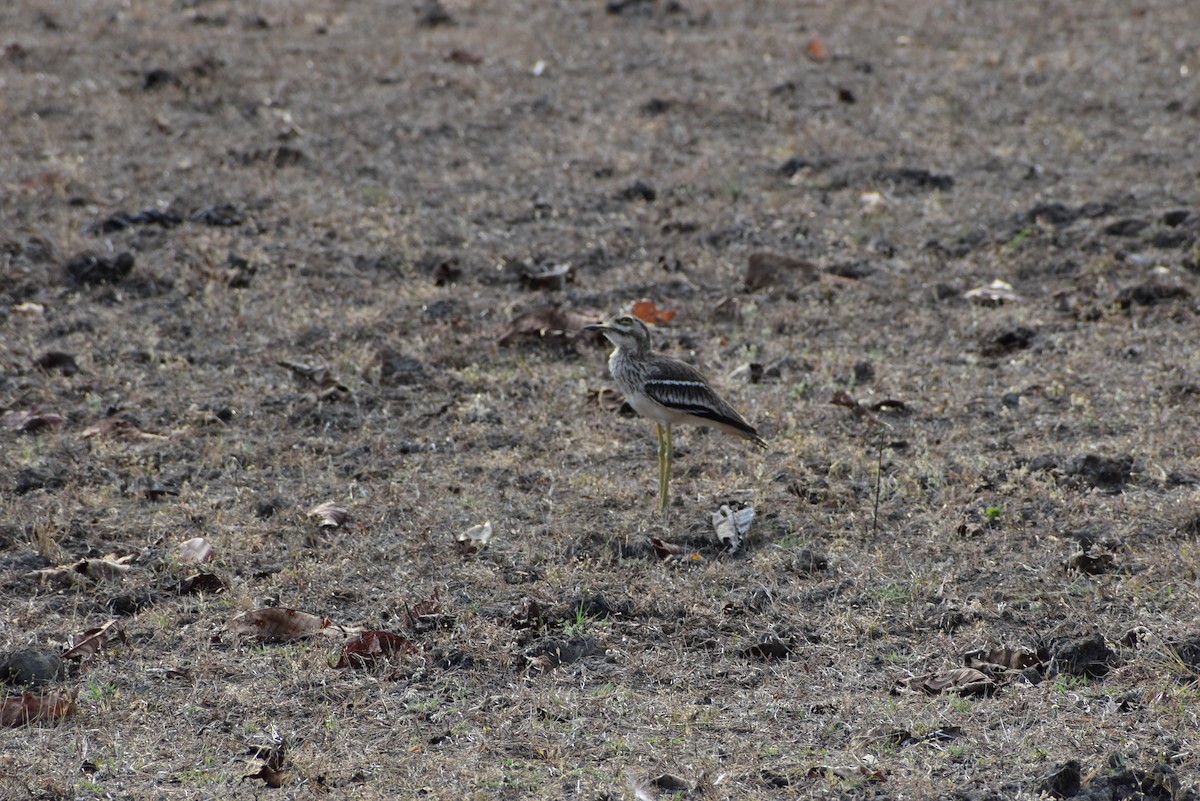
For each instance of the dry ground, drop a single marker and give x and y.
(362, 187)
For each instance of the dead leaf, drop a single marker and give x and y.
(843, 398)
(30, 420)
(815, 49)
(331, 514)
(475, 539)
(526, 615)
(665, 549)
(28, 707)
(120, 426)
(91, 642)
(554, 277)
(850, 772)
(107, 567)
(277, 624)
(609, 399)
(363, 649)
(1011, 658)
(200, 583)
(427, 615)
(1092, 564)
(548, 323)
(430, 606)
(648, 312)
(274, 759)
(194, 551)
(993, 294)
(732, 526)
(320, 375)
(464, 57)
(963, 681)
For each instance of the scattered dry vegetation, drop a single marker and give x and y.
(313, 487)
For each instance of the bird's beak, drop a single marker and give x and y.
(595, 327)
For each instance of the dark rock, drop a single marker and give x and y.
(396, 369)
(1089, 657)
(1064, 782)
(1009, 341)
(159, 77)
(1150, 295)
(32, 667)
(1056, 214)
(57, 360)
(1129, 227)
(29, 480)
(639, 190)
(915, 178)
(90, 268)
(1110, 474)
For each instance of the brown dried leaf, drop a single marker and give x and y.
(28, 707)
(110, 566)
(1092, 564)
(646, 311)
(331, 514)
(1011, 658)
(430, 606)
(369, 646)
(194, 551)
(475, 539)
(277, 624)
(274, 760)
(320, 375)
(815, 49)
(86, 645)
(121, 427)
(843, 398)
(665, 549)
(964, 681)
(200, 583)
(543, 323)
(609, 399)
(30, 420)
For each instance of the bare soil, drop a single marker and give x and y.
(257, 256)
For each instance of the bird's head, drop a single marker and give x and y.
(629, 333)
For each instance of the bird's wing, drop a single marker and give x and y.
(681, 388)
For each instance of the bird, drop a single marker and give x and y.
(666, 391)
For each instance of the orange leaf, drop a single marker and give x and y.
(815, 49)
(647, 312)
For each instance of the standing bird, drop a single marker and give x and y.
(667, 391)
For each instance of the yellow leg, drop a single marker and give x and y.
(666, 457)
(662, 469)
